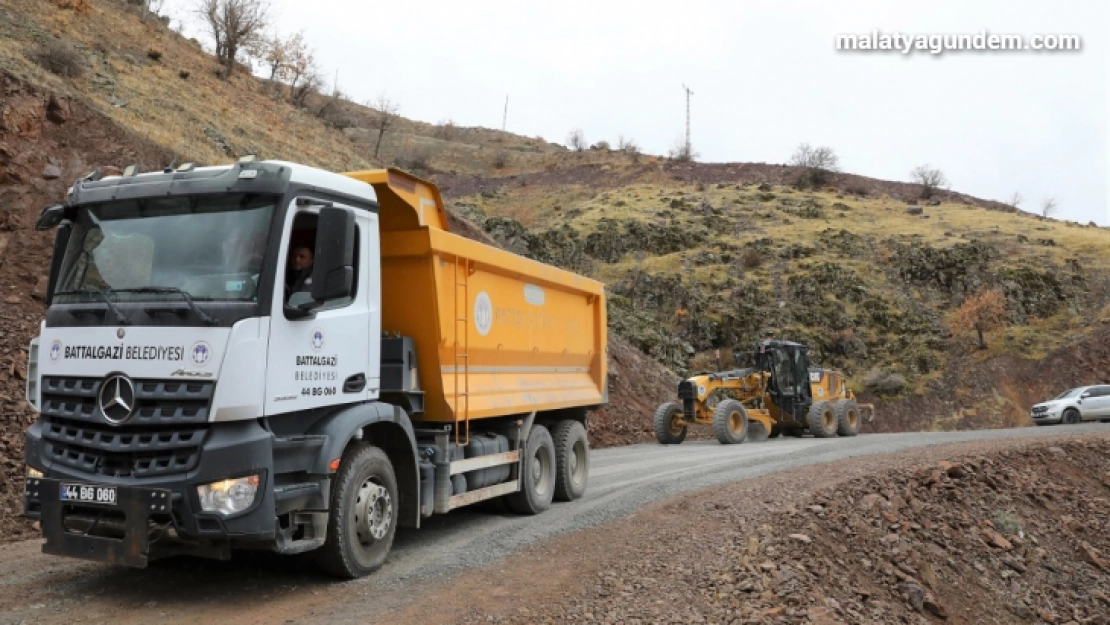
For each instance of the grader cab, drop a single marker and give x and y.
(779, 393)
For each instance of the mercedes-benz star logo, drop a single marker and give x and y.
(117, 399)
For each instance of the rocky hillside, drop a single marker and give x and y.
(706, 257)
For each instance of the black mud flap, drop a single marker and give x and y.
(80, 530)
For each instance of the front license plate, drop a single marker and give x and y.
(82, 493)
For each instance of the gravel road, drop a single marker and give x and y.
(265, 588)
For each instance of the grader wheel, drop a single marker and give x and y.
(730, 422)
(822, 419)
(669, 424)
(847, 418)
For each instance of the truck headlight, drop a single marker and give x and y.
(33, 472)
(228, 496)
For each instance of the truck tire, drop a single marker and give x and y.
(822, 419)
(730, 422)
(668, 418)
(572, 460)
(537, 474)
(847, 417)
(362, 516)
(1071, 417)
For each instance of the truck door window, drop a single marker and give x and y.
(783, 372)
(801, 373)
(300, 257)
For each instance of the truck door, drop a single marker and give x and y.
(333, 357)
(783, 382)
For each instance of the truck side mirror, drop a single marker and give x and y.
(50, 216)
(333, 270)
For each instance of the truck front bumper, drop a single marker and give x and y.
(153, 517)
(117, 534)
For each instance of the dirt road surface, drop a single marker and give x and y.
(265, 588)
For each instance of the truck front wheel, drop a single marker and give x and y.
(362, 518)
(537, 474)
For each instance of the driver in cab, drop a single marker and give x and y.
(299, 276)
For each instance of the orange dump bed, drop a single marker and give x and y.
(495, 333)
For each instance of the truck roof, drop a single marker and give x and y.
(404, 201)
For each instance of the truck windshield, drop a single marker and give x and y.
(209, 247)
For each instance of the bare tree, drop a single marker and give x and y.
(576, 140)
(815, 164)
(272, 52)
(1049, 207)
(333, 111)
(930, 179)
(386, 111)
(234, 25)
(683, 151)
(1015, 200)
(309, 83)
(628, 146)
(300, 69)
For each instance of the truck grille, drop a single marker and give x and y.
(163, 435)
(1040, 409)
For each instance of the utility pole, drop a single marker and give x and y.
(505, 116)
(689, 153)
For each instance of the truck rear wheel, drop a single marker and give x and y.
(822, 419)
(537, 474)
(572, 460)
(847, 418)
(669, 424)
(730, 422)
(362, 517)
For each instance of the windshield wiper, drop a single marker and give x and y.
(205, 317)
(120, 318)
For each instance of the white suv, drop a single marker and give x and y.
(1085, 403)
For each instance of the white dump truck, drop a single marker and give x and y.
(270, 356)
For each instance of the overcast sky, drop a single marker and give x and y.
(765, 75)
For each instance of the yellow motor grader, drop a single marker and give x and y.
(779, 394)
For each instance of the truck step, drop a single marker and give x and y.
(299, 546)
(301, 496)
(484, 462)
(482, 494)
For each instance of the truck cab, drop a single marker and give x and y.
(201, 387)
